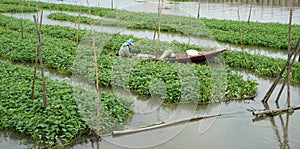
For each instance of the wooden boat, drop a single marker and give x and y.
(188, 56)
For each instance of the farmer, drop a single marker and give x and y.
(125, 50)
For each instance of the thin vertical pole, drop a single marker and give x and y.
(21, 21)
(239, 21)
(250, 14)
(198, 14)
(289, 53)
(41, 19)
(158, 11)
(98, 90)
(41, 63)
(158, 26)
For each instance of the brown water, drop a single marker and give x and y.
(236, 130)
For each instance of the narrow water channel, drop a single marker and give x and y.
(168, 37)
(262, 10)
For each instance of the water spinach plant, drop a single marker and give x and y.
(68, 115)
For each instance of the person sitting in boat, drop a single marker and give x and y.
(125, 50)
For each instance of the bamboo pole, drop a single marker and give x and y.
(289, 65)
(256, 31)
(34, 73)
(41, 63)
(271, 112)
(241, 36)
(271, 89)
(283, 84)
(158, 27)
(41, 19)
(98, 90)
(158, 11)
(78, 29)
(249, 14)
(21, 21)
(198, 12)
(161, 125)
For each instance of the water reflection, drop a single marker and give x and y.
(11, 139)
(258, 2)
(281, 135)
(262, 10)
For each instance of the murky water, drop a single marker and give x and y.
(236, 130)
(262, 10)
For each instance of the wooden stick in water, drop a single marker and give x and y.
(271, 89)
(250, 14)
(161, 125)
(198, 14)
(289, 65)
(241, 37)
(274, 112)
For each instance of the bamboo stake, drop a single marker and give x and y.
(98, 92)
(256, 31)
(198, 14)
(78, 29)
(283, 84)
(158, 27)
(158, 11)
(22, 30)
(241, 37)
(75, 18)
(34, 73)
(249, 14)
(161, 125)
(21, 21)
(41, 19)
(289, 65)
(270, 91)
(41, 63)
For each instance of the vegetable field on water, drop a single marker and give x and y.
(67, 115)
